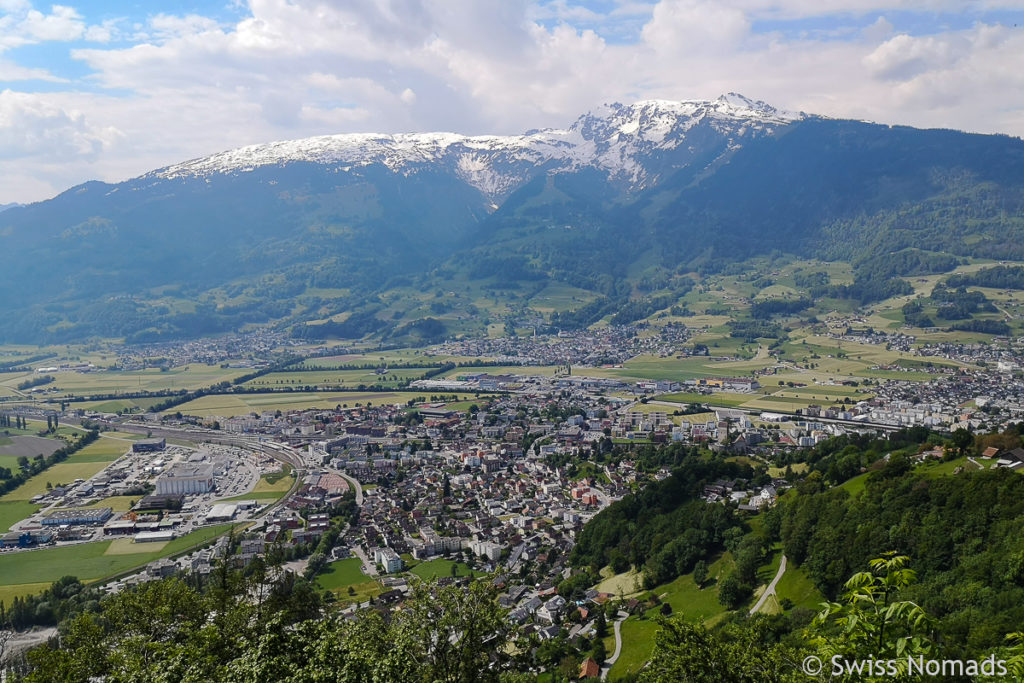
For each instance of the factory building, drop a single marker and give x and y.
(149, 445)
(186, 479)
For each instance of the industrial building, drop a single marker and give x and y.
(78, 516)
(149, 445)
(186, 478)
(222, 512)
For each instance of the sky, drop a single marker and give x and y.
(110, 89)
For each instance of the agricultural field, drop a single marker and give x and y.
(243, 404)
(91, 561)
(13, 511)
(375, 359)
(129, 405)
(82, 465)
(560, 297)
(679, 369)
(20, 590)
(192, 376)
(336, 378)
(626, 584)
(522, 370)
(14, 447)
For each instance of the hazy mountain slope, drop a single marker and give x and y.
(302, 229)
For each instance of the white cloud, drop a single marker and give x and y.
(23, 25)
(63, 23)
(32, 126)
(103, 32)
(9, 71)
(680, 27)
(903, 57)
(166, 26)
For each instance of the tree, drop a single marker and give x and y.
(700, 573)
(600, 652)
(457, 634)
(962, 440)
(740, 652)
(870, 621)
(601, 625)
(732, 591)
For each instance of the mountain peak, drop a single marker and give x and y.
(616, 138)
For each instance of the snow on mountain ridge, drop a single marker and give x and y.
(614, 138)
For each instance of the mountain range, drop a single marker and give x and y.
(624, 206)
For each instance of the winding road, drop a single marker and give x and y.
(618, 645)
(770, 590)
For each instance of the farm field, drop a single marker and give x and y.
(560, 297)
(718, 398)
(336, 378)
(243, 404)
(522, 370)
(13, 511)
(625, 584)
(82, 465)
(650, 367)
(109, 447)
(192, 376)
(409, 356)
(61, 473)
(14, 447)
(90, 561)
(120, 404)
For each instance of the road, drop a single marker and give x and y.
(355, 484)
(770, 590)
(618, 645)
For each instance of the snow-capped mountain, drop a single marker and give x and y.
(626, 199)
(633, 143)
